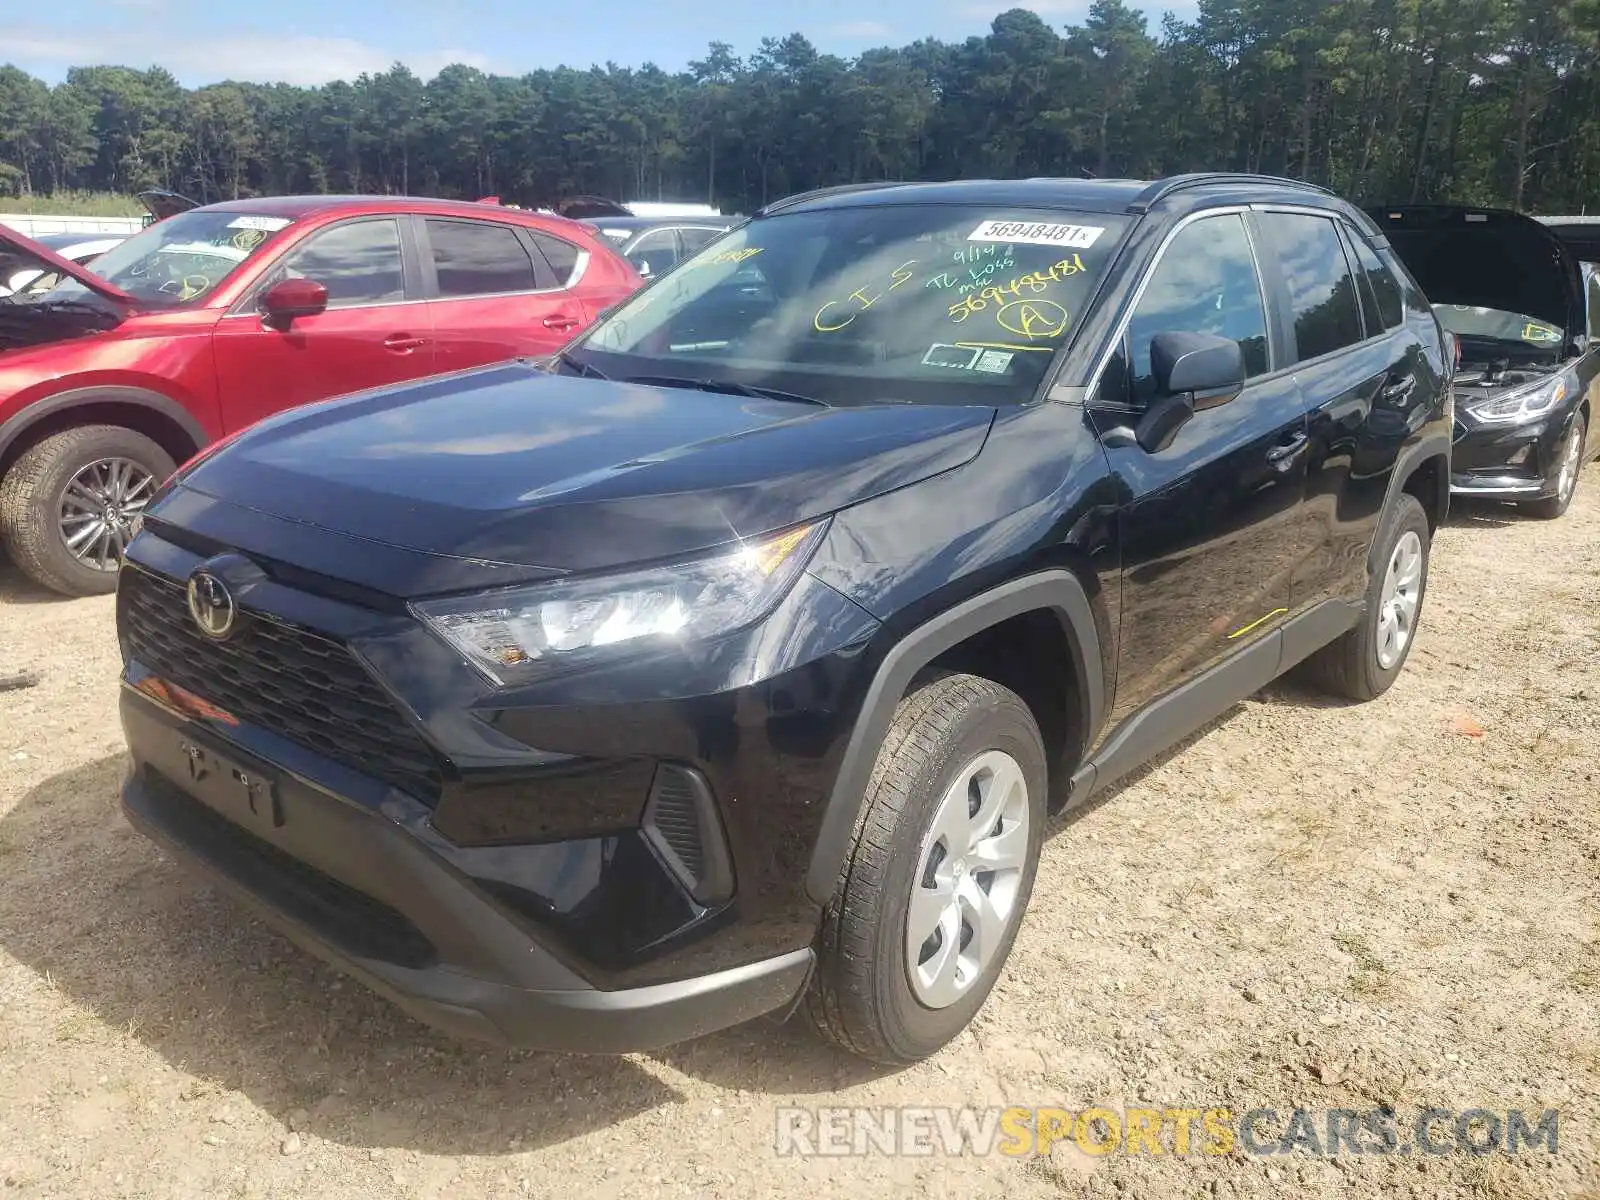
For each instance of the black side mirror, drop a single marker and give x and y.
(1208, 367)
(1193, 372)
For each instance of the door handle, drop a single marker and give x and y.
(1280, 456)
(403, 343)
(1400, 388)
(560, 321)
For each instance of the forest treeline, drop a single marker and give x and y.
(1479, 101)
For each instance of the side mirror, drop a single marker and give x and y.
(642, 265)
(291, 298)
(1209, 368)
(1193, 372)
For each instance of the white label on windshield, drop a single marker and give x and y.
(994, 361)
(1078, 237)
(265, 224)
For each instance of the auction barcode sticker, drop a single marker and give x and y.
(264, 224)
(1078, 237)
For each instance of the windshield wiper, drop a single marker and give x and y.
(726, 386)
(87, 306)
(582, 368)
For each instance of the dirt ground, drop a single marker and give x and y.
(1308, 905)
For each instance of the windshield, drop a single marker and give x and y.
(929, 303)
(180, 260)
(1493, 324)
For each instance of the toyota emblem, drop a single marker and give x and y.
(211, 605)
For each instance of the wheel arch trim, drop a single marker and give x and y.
(134, 397)
(1432, 446)
(1056, 590)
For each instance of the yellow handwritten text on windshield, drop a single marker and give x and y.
(863, 298)
(1019, 288)
(726, 256)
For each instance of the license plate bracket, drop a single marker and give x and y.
(244, 794)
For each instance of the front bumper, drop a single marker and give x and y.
(1512, 462)
(360, 886)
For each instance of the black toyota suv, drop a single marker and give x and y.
(1525, 308)
(734, 661)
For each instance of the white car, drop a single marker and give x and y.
(80, 248)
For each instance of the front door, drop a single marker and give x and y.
(1211, 527)
(376, 329)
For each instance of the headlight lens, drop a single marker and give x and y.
(1522, 404)
(521, 633)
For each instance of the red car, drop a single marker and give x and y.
(216, 317)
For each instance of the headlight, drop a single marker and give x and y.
(520, 633)
(1519, 405)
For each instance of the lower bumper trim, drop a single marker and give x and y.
(584, 1020)
(1526, 489)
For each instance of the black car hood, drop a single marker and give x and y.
(1488, 258)
(511, 465)
(162, 204)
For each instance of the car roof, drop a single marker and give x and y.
(1083, 195)
(65, 241)
(296, 207)
(705, 222)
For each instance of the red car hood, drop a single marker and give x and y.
(17, 253)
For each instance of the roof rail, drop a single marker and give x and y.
(1162, 188)
(842, 189)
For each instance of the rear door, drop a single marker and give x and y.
(493, 295)
(1359, 365)
(1212, 525)
(375, 331)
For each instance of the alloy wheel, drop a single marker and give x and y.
(98, 508)
(1568, 479)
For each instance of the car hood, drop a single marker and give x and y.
(510, 465)
(161, 204)
(19, 253)
(1488, 258)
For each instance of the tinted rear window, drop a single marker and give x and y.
(1322, 291)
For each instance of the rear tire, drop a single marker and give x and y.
(1571, 453)
(958, 743)
(34, 491)
(1363, 663)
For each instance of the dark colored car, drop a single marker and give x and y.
(214, 317)
(654, 245)
(739, 658)
(1526, 312)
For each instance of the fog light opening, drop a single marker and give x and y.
(682, 825)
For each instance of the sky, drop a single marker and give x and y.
(314, 41)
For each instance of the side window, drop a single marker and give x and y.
(472, 258)
(694, 239)
(1385, 289)
(1317, 278)
(561, 255)
(655, 253)
(1205, 282)
(359, 263)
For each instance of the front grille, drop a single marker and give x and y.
(353, 921)
(304, 688)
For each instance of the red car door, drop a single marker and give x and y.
(494, 294)
(376, 329)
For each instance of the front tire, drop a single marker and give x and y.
(67, 504)
(1363, 663)
(1566, 478)
(938, 876)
